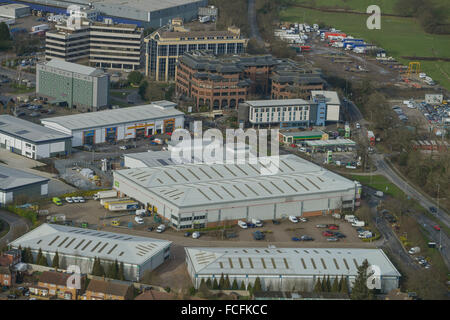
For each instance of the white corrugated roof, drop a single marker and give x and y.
(12, 178)
(91, 243)
(287, 261)
(115, 116)
(187, 185)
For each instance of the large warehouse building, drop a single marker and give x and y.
(77, 85)
(118, 124)
(16, 184)
(14, 10)
(200, 195)
(79, 246)
(145, 13)
(32, 140)
(283, 268)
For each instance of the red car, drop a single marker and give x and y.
(333, 227)
(327, 233)
(436, 227)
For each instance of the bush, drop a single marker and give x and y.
(24, 213)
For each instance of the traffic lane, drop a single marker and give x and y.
(17, 226)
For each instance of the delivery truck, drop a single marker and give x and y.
(124, 206)
(108, 204)
(105, 194)
(108, 200)
(358, 224)
(41, 27)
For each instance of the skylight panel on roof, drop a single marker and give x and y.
(323, 263)
(346, 264)
(70, 242)
(62, 242)
(335, 263)
(290, 186)
(177, 171)
(82, 240)
(204, 194)
(276, 187)
(170, 176)
(214, 191)
(303, 263)
(230, 194)
(228, 169)
(313, 263)
(284, 162)
(217, 172)
(296, 180)
(240, 191)
(51, 242)
(87, 244)
(192, 172)
(315, 185)
(101, 249)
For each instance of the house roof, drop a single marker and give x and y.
(54, 277)
(13, 178)
(156, 110)
(197, 184)
(286, 261)
(108, 287)
(155, 295)
(91, 243)
(29, 131)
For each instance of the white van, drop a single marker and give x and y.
(257, 222)
(161, 228)
(242, 224)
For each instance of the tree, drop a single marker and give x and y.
(324, 284)
(42, 261)
(203, 289)
(318, 286)
(234, 285)
(4, 32)
(215, 285)
(209, 283)
(55, 263)
(97, 268)
(242, 287)
(335, 287)
(227, 284)
(121, 275)
(135, 77)
(343, 287)
(328, 284)
(257, 285)
(360, 290)
(39, 256)
(143, 89)
(250, 288)
(222, 282)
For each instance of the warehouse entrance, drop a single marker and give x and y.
(111, 134)
(150, 131)
(140, 133)
(89, 137)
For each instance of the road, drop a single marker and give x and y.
(254, 31)
(13, 74)
(17, 227)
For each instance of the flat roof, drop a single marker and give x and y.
(287, 261)
(328, 143)
(13, 178)
(156, 110)
(276, 103)
(29, 131)
(73, 67)
(197, 184)
(91, 243)
(302, 133)
(14, 5)
(147, 5)
(330, 96)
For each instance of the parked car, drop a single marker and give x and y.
(327, 233)
(57, 201)
(332, 239)
(303, 219)
(115, 223)
(333, 227)
(81, 199)
(293, 219)
(196, 235)
(258, 235)
(69, 200)
(321, 226)
(296, 239)
(242, 224)
(161, 228)
(75, 199)
(339, 235)
(12, 296)
(433, 209)
(187, 234)
(139, 220)
(437, 228)
(306, 238)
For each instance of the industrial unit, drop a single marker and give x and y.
(79, 246)
(281, 269)
(16, 185)
(148, 13)
(105, 45)
(199, 195)
(32, 140)
(77, 85)
(14, 10)
(118, 124)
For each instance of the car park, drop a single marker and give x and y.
(293, 219)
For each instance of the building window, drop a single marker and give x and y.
(172, 50)
(181, 49)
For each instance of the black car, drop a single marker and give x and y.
(258, 235)
(306, 238)
(433, 209)
(339, 235)
(275, 221)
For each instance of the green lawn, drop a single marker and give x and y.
(380, 182)
(399, 36)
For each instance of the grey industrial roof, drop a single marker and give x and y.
(115, 116)
(287, 261)
(330, 96)
(92, 243)
(73, 67)
(29, 131)
(152, 158)
(13, 178)
(198, 184)
(276, 103)
(147, 5)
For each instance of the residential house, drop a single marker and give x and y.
(7, 276)
(56, 284)
(108, 290)
(10, 257)
(155, 295)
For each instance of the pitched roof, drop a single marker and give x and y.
(155, 295)
(5, 270)
(54, 277)
(108, 287)
(13, 178)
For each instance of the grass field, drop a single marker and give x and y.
(380, 182)
(399, 36)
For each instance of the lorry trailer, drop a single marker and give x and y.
(105, 194)
(124, 206)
